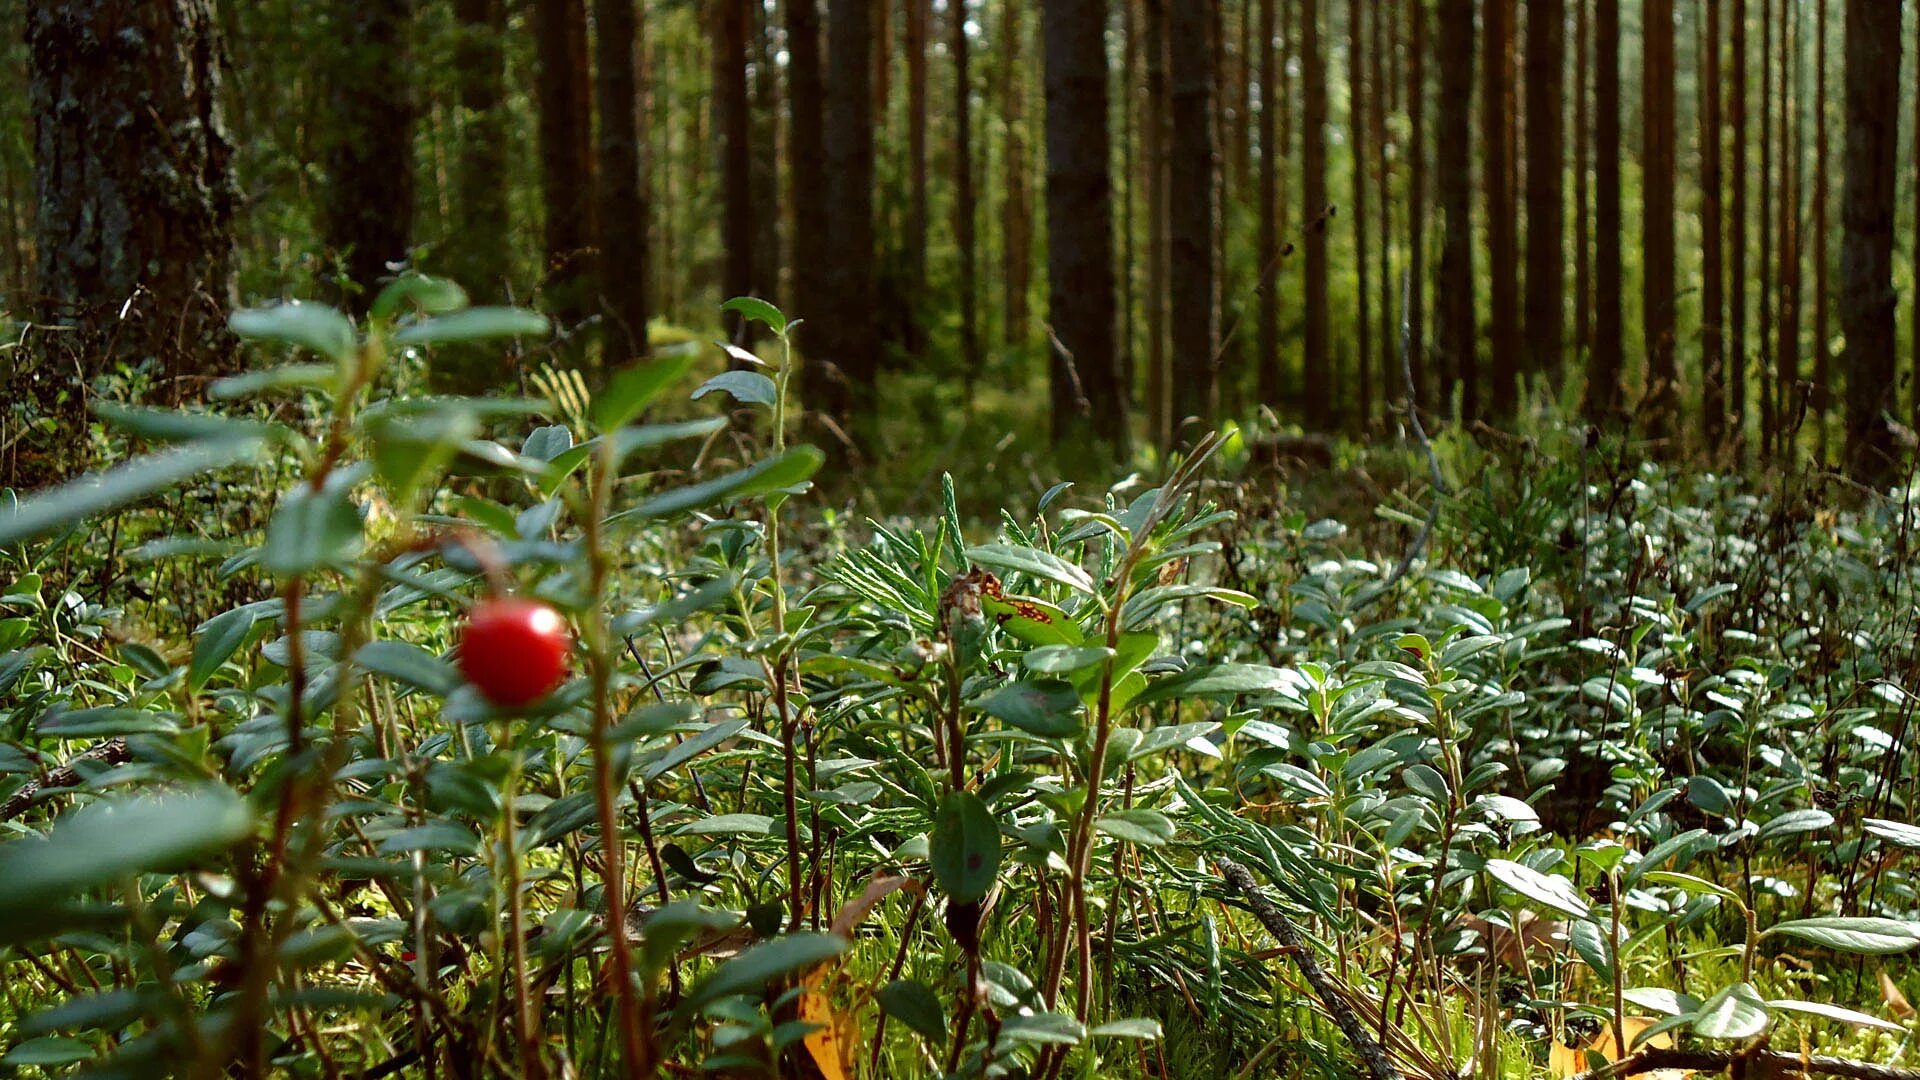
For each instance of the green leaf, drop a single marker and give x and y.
(1062, 659)
(433, 295)
(753, 307)
(914, 1005)
(1044, 565)
(1897, 833)
(728, 825)
(1868, 935)
(629, 392)
(1836, 1013)
(1546, 890)
(964, 848)
(1795, 821)
(1735, 1012)
(407, 663)
(285, 377)
(474, 324)
(179, 425)
(218, 638)
(1044, 1028)
(774, 474)
(1132, 1027)
(761, 964)
(746, 387)
(46, 511)
(1212, 679)
(312, 529)
(315, 327)
(48, 1050)
(1148, 828)
(115, 838)
(1048, 708)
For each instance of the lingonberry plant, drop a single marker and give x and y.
(567, 736)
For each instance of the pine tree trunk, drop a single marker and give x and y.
(1765, 226)
(623, 209)
(917, 142)
(1822, 255)
(1357, 92)
(806, 165)
(1657, 288)
(1017, 256)
(763, 112)
(1155, 142)
(1712, 365)
(1383, 161)
(1546, 262)
(1605, 360)
(849, 358)
(1317, 406)
(1582, 163)
(1192, 221)
(734, 121)
(1417, 200)
(367, 216)
(134, 196)
(1085, 370)
(478, 249)
(1786, 376)
(1496, 138)
(1873, 34)
(1454, 285)
(1268, 358)
(1736, 229)
(562, 93)
(963, 204)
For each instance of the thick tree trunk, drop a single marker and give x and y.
(562, 94)
(1417, 29)
(806, 162)
(1317, 405)
(850, 357)
(1582, 163)
(479, 249)
(623, 208)
(964, 210)
(1087, 394)
(1156, 143)
(1546, 262)
(916, 27)
(1017, 257)
(1786, 374)
(1657, 289)
(367, 215)
(1736, 230)
(1268, 358)
(131, 180)
(1873, 33)
(1454, 285)
(1822, 317)
(1496, 137)
(1605, 360)
(1357, 140)
(734, 121)
(1764, 224)
(1712, 364)
(1195, 315)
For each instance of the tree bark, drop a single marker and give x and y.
(1866, 219)
(1712, 363)
(1268, 358)
(1454, 287)
(134, 196)
(367, 215)
(1582, 163)
(1736, 229)
(1195, 315)
(1786, 375)
(733, 119)
(1657, 290)
(479, 249)
(1357, 138)
(1017, 258)
(806, 162)
(1155, 142)
(1822, 317)
(563, 99)
(1317, 405)
(916, 28)
(1417, 30)
(963, 202)
(1080, 304)
(1546, 262)
(623, 208)
(1496, 138)
(849, 360)
(1605, 359)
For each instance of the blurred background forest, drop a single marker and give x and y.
(1090, 221)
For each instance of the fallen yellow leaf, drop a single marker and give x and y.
(1564, 1061)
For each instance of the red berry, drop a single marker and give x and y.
(514, 650)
